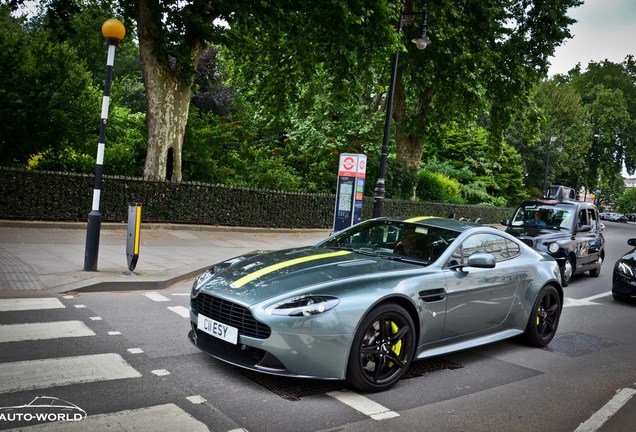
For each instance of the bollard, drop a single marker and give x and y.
(134, 228)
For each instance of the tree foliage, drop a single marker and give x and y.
(271, 98)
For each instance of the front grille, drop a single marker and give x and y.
(529, 242)
(231, 314)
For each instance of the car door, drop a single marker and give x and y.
(479, 299)
(595, 236)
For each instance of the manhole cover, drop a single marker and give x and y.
(578, 344)
(292, 389)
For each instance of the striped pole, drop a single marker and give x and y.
(113, 31)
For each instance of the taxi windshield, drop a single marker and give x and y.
(543, 216)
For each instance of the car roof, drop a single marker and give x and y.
(554, 202)
(437, 222)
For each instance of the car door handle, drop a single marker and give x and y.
(432, 295)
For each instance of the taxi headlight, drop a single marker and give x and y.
(303, 306)
(553, 247)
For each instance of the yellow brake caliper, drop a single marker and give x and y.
(398, 346)
(538, 319)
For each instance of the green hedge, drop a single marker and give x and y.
(36, 195)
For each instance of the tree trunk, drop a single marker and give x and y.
(168, 97)
(409, 145)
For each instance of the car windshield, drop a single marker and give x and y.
(540, 215)
(394, 240)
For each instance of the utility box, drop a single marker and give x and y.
(134, 229)
(350, 192)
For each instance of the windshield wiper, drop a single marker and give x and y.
(405, 259)
(340, 248)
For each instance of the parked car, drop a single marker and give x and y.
(363, 304)
(570, 231)
(615, 217)
(624, 276)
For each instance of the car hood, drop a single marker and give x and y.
(629, 256)
(536, 234)
(254, 278)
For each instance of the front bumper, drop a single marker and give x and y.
(284, 354)
(623, 286)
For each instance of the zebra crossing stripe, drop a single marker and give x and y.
(158, 418)
(22, 304)
(180, 310)
(364, 405)
(155, 296)
(44, 330)
(45, 373)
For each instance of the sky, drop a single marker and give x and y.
(605, 29)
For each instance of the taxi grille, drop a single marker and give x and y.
(231, 314)
(528, 241)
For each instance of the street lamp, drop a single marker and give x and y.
(113, 31)
(553, 138)
(421, 42)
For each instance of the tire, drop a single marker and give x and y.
(567, 271)
(544, 317)
(382, 349)
(597, 271)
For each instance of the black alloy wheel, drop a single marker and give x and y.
(544, 318)
(382, 349)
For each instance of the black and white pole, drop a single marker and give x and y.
(113, 31)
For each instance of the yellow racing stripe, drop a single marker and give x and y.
(266, 270)
(418, 218)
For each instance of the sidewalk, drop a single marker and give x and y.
(44, 258)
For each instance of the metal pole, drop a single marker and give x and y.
(547, 163)
(91, 250)
(379, 188)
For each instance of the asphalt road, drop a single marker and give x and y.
(127, 362)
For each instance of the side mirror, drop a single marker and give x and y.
(505, 222)
(482, 260)
(584, 228)
(632, 242)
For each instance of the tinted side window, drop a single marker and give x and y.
(502, 249)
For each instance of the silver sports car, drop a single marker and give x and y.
(365, 303)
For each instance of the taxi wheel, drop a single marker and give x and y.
(544, 318)
(382, 349)
(567, 271)
(597, 271)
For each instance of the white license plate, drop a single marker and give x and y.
(217, 329)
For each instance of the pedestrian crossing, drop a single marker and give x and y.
(54, 374)
(49, 375)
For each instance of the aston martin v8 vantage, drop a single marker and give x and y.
(365, 303)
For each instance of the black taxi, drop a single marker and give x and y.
(568, 230)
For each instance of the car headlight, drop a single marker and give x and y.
(303, 306)
(625, 269)
(201, 280)
(553, 247)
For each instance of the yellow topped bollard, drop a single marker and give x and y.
(113, 31)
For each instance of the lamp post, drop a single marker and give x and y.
(421, 42)
(113, 31)
(547, 163)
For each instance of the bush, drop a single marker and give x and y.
(438, 187)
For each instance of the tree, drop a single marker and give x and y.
(48, 104)
(466, 155)
(556, 110)
(609, 93)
